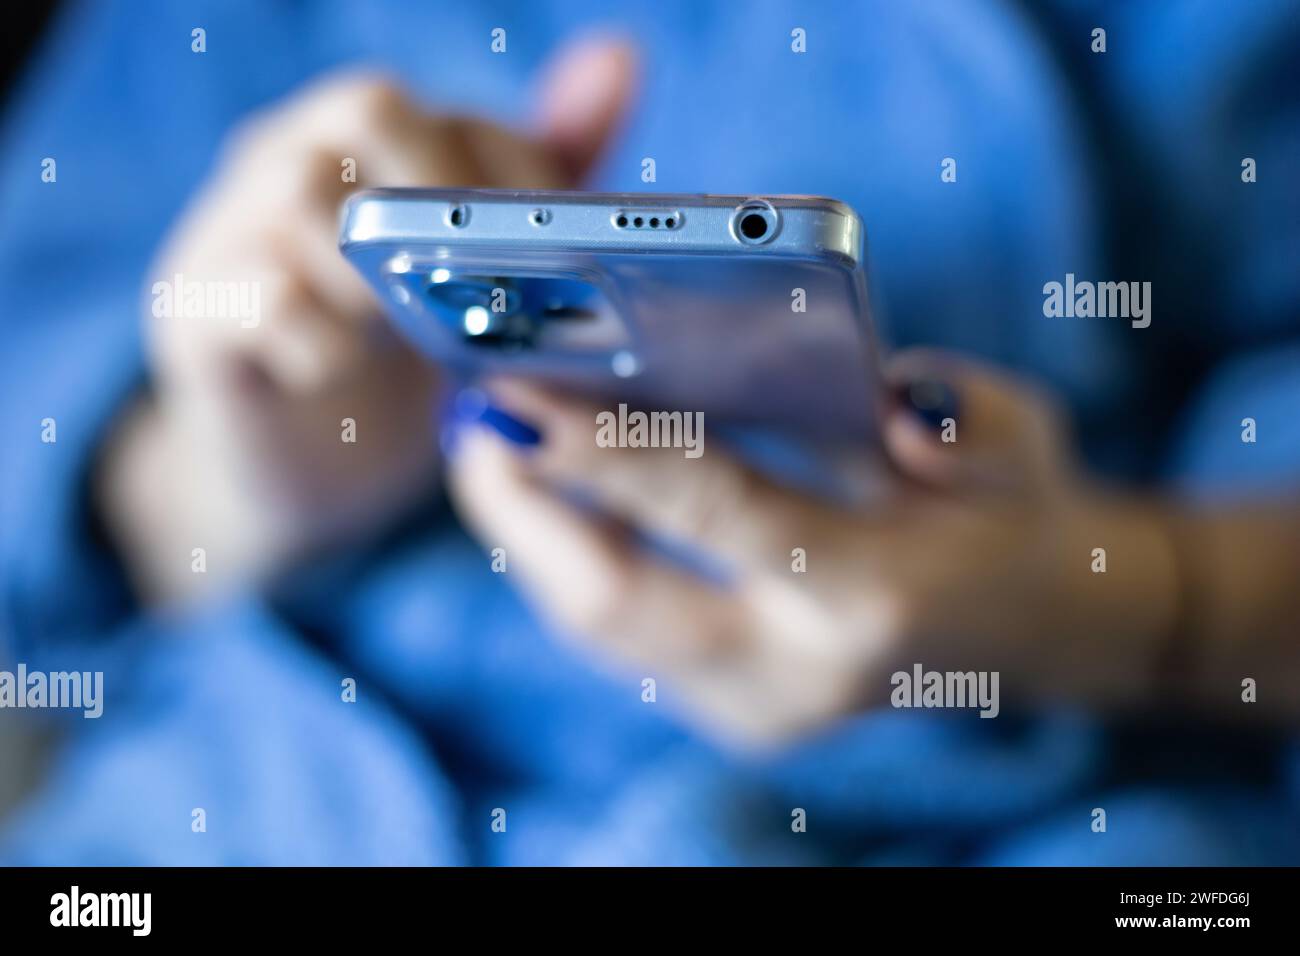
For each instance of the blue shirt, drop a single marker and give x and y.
(1067, 162)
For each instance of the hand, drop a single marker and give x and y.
(980, 558)
(240, 448)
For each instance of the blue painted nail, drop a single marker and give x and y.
(932, 401)
(510, 428)
(473, 406)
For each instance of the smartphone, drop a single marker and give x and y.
(751, 310)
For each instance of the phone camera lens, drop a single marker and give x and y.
(480, 310)
(753, 226)
(622, 222)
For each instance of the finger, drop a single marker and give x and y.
(584, 93)
(366, 118)
(503, 158)
(302, 226)
(582, 570)
(307, 344)
(309, 156)
(290, 191)
(395, 142)
(270, 329)
(712, 502)
(956, 424)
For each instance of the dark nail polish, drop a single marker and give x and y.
(473, 406)
(510, 428)
(932, 401)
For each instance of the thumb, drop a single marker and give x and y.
(955, 423)
(584, 92)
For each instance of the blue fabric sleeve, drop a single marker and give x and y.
(223, 710)
(1257, 392)
(131, 120)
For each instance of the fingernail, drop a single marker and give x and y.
(512, 429)
(472, 406)
(932, 401)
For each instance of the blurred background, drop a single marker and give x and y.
(1119, 165)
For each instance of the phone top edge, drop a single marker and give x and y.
(582, 197)
(805, 226)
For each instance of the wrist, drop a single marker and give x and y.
(131, 500)
(159, 503)
(1125, 594)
